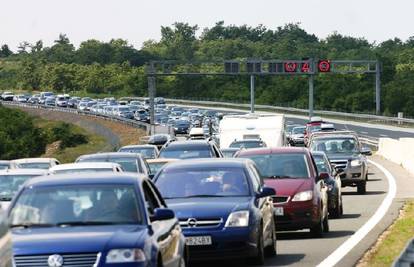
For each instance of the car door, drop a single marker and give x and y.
(167, 232)
(265, 204)
(320, 188)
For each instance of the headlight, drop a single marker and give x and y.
(125, 255)
(238, 219)
(356, 162)
(303, 196)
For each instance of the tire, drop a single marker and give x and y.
(271, 250)
(362, 188)
(317, 229)
(337, 212)
(325, 224)
(259, 259)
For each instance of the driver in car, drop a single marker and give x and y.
(233, 184)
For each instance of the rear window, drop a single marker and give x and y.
(279, 166)
(128, 164)
(186, 153)
(34, 165)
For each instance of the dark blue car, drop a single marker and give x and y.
(94, 220)
(223, 207)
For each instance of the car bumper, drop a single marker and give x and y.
(296, 216)
(352, 176)
(226, 244)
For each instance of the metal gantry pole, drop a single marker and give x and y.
(251, 93)
(151, 94)
(378, 88)
(311, 80)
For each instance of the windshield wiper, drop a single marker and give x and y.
(5, 198)
(29, 225)
(83, 223)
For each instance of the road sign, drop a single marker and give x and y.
(324, 65)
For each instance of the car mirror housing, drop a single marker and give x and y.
(162, 214)
(266, 192)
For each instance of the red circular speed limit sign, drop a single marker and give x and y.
(324, 66)
(290, 66)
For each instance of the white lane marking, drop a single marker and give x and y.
(351, 242)
(383, 135)
(290, 122)
(364, 132)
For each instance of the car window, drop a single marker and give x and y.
(186, 153)
(93, 203)
(187, 183)
(255, 178)
(34, 165)
(151, 201)
(335, 145)
(279, 166)
(10, 184)
(128, 164)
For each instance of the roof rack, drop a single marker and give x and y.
(331, 133)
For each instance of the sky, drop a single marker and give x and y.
(140, 20)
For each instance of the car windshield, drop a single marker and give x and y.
(123, 109)
(156, 166)
(314, 128)
(335, 145)
(10, 184)
(298, 130)
(146, 152)
(228, 154)
(247, 144)
(321, 163)
(93, 204)
(34, 165)
(186, 153)
(83, 170)
(208, 182)
(278, 166)
(128, 164)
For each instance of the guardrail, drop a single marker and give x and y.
(406, 258)
(133, 123)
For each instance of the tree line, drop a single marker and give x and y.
(117, 68)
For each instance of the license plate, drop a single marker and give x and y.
(279, 211)
(198, 240)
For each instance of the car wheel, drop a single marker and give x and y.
(325, 224)
(259, 258)
(317, 229)
(271, 250)
(337, 212)
(362, 188)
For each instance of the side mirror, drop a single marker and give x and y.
(151, 176)
(266, 192)
(162, 214)
(322, 176)
(366, 150)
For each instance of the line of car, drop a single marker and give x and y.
(171, 203)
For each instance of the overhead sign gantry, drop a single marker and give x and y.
(258, 67)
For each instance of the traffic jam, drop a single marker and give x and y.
(218, 187)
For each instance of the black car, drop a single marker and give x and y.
(182, 127)
(160, 140)
(190, 150)
(332, 181)
(223, 206)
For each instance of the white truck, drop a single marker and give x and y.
(267, 127)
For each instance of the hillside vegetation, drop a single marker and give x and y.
(117, 68)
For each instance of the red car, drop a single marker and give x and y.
(301, 195)
(314, 125)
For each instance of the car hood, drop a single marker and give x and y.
(289, 187)
(76, 239)
(214, 207)
(297, 135)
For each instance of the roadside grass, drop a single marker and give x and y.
(95, 142)
(392, 242)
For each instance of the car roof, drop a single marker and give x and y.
(273, 150)
(161, 160)
(247, 140)
(139, 146)
(85, 165)
(23, 172)
(332, 135)
(189, 143)
(86, 178)
(34, 160)
(111, 155)
(319, 153)
(206, 163)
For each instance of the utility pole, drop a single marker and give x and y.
(378, 88)
(251, 93)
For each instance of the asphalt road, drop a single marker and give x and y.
(298, 248)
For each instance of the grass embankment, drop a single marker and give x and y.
(392, 242)
(95, 143)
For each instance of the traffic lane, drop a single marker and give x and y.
(372, 132)
(300, 249)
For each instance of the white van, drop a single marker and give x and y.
(267, 127)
